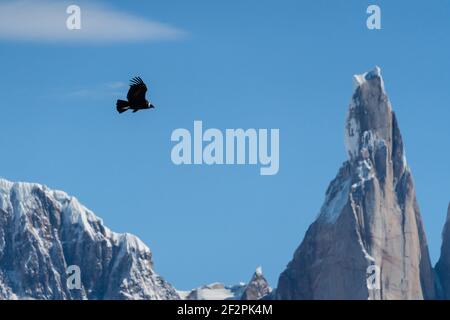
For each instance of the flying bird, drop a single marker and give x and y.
(136, 97)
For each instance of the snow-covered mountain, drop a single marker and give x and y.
(43, 232)
(370, 223)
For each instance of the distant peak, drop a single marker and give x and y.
(257, 288)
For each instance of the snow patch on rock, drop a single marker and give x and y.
(214, 291)
(361, 79)
(335, 201)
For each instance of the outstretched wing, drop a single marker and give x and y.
(136, 94)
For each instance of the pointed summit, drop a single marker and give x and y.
(370, 115)
(370, 220)
(360, 79)
(257, 288)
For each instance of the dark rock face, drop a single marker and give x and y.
(370, 219)
(257, 288)
(43, 232)
(443, 265)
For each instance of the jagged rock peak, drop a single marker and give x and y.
(257, 288)
(370, 120)
(370, 220)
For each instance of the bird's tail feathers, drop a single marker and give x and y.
(122, 106)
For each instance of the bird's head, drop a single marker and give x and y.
(149, 105)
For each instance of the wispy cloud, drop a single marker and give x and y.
(43, 20)
(110, 89)
(116, 85)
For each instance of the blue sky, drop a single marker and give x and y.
(231, 64)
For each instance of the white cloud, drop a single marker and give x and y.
(109, 89)
(116, 85)
(43, 20)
